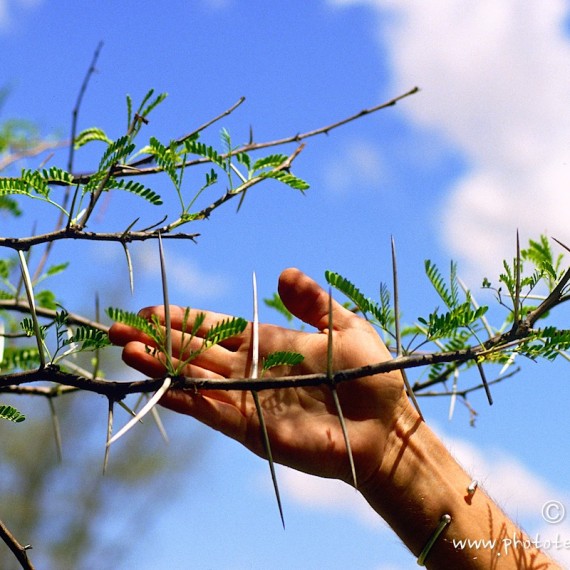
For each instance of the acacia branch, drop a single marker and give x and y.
(75, 232)
(19, 551)
(133, 169)
(72, 318)
(119, 389)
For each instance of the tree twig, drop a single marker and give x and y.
(19, 551)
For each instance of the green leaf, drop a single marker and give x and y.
(166, 158)
(276, 303)
(36, 181)
(447, 324)
(46, 300)
(150, 103)
(55, 174)
(91, 134)
(349, 289)
(135, 321)
(89, 337)
(9, 205)
(55, 269)
(20, 358)
(140, 190)
(14, 186)
(244, 158)
(282, 358)
(287, 178)
(205, 151)
(449, 295)
(224, 330)
(11, 414)
(6, 266)
(116, 152)
(271, 161)
(129, 110)
(226, 140)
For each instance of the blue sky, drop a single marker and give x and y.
(452, 172)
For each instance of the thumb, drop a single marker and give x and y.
(308, 301)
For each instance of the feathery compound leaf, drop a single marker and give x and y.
(226, 140)
(287, 178)
(135, 321)
(91, 134)
(89, 337)
(36, 181)
(244, 158)
(129, 110)
(165, 157)
(282, 358)
(13, 186)
(46, 300)
(205, 151)
(28, 326)
(270, 161)
(140, 190)
(55, 174)
(547, 343)
(348, 289)
(540, 253)
(9, 205)
(447, 324)
(11, 414)
(225, 329)
(20, 358)
(6, 267)
(449, 296)
(276, 303)
(116, 152)
(144, 112)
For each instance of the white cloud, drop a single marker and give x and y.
(514, 486)
(359, 165)
(184, 274)
(3, 14)
(495, 79)
(329, 495)
(7, 7)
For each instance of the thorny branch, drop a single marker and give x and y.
(19, 551)
(123, 170)
(74, 232)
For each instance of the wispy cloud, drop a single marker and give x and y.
(495, 79)
(7, 7)
(328, 495)
(184, 274)
(360, 165)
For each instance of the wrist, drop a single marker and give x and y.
(418, 482)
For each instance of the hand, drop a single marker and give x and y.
(302, 423)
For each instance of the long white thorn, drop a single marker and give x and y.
(144, 410)
(259, 410)
(32, 303)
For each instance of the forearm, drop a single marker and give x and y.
(419, 481)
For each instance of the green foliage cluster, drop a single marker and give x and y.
(529, 287)
(58, 335)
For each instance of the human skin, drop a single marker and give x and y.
(402, 468)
